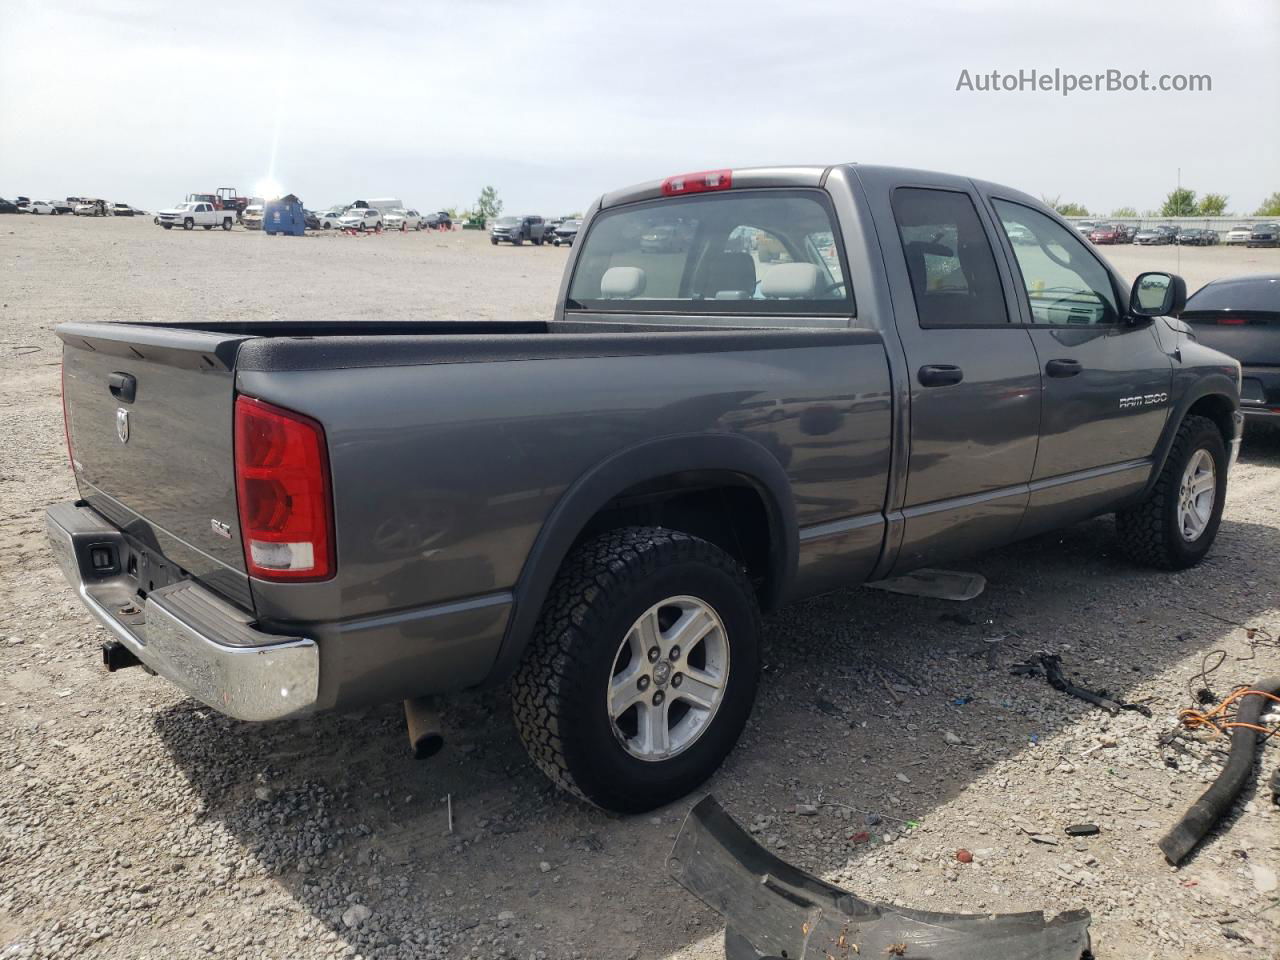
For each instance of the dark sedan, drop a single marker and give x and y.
(1264, 235)
(1241, 317)
(8, 206)
(566, 232)
(1154, 236)
(1195, 237)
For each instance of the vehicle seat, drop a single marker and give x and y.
(728, 276)
(791, 281)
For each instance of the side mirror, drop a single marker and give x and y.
(1157, 294)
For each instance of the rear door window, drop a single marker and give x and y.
(953, 271)
(748, 252)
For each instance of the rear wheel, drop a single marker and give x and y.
(226, 224)
(642, 669)
(188, 224)
(1176, 524)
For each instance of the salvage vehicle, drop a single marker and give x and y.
(196, 213)
(251, 216)
(1153, 236)
(121, 210)
(38, 207)
(91, 208)
(1239, 234)
(1106, 233)
(8, 206)
(566, 232)
(1264, 235)
(1241, 317)
(516, 230)
(329, 219)
(440, 220)
(361, 219)
(287, 517)
(402, 220)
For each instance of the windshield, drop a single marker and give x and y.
(186, 206)
(507, 221)
(747, 253)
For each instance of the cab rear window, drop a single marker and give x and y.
(772, 253)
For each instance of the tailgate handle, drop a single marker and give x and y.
(124, 386)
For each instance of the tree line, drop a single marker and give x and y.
(1181, 202)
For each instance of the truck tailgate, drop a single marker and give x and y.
(149, 420)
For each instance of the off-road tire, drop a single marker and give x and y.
(1148, 532)
(558, 692)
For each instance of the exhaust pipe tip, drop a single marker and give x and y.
(422, 717)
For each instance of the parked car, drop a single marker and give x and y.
(329, 218)
(63, 206)
(516, 230)
(566, 232)
(1240, 233)
(23, 204)
(121, 210)
(1264, 235)
(1106, 233)
(1085, 227)
(1241, 317)
(91, 208)
(440, 220)
(1130, 231)
(196, 213)
(402, 220)
(312, 220)
(8, 206)
(1153, 236)
(40, 207)
(361, 219)
(251, 215)
(332, 516)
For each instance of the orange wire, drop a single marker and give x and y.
(1213, 718)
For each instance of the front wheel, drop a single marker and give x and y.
(642, 670)
(1175, 526)
(188, 224)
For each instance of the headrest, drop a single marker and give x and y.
(622, 283)
(790, 281)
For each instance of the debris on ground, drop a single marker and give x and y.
(1049, 665)
(773, 909)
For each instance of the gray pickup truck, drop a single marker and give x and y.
(758, 385)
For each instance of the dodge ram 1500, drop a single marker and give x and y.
(757, 385)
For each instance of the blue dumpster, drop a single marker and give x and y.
(284, 215)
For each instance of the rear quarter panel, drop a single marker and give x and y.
(445, 473)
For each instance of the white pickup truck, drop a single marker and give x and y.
(194, 214)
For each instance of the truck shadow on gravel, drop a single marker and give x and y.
(857, 692)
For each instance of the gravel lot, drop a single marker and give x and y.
(137, 823)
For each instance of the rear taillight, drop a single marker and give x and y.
(1232, 321)
(66, 417)
(282, 485)
(702, 182)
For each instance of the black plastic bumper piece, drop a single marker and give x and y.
(774, 911)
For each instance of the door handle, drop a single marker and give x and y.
(124, 386)
(1063, 368)
(939, 375)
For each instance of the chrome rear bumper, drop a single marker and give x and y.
(184, 632)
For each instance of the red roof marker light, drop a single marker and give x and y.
(702, 182)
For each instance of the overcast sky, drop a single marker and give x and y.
(144, 101)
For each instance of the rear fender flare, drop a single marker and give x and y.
(734, 454)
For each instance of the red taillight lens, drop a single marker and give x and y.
(1232, 321)
(66, 417)
(282, 485)
(697, 182)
